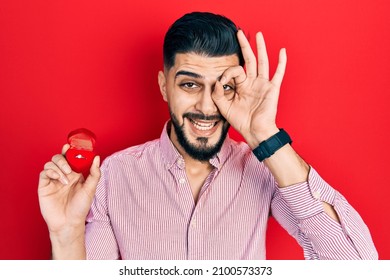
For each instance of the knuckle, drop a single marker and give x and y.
(56, 158)
(48, 165)
(43, 174)
(59, 160)
(50, 173)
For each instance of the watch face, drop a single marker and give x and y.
(81, 153)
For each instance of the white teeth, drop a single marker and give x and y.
(202, 126)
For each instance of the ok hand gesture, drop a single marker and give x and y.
(252, 109)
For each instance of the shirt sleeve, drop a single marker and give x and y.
(100, 241)
(299, 209)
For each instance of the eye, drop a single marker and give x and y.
(229, 91)
(228, 88)
(189, 85)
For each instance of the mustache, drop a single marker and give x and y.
(200, 116)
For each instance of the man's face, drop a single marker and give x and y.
(197, 129)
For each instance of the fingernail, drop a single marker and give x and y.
(223, 80)
(97, 161)
(64, 180)
(66, 169)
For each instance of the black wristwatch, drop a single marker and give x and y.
(268, 147)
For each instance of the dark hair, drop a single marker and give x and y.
(202, 33)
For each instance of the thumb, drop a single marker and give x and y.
(94, 175)
(220, 100)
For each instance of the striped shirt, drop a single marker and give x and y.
(144, 209)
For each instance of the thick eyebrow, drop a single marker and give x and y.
(188, 73)
(192, 74)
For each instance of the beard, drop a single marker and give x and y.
(201, 150)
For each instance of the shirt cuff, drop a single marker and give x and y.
(305, 199)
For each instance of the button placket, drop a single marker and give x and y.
(194, 237)
(193, 223)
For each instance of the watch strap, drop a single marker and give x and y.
(268, 147)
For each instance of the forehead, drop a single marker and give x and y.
(206, 66)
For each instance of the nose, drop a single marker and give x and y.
(205, 103)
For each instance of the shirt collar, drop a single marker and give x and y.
(172, 156)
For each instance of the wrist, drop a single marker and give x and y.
(268, 147)
(67, 233)
(68, 243)
(255, 137)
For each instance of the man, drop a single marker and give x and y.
(194, 193)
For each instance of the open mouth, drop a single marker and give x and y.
(203, 125)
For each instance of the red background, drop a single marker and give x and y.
(94, 64)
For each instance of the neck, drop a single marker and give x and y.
(196, 166)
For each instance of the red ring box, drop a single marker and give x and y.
(81, 153)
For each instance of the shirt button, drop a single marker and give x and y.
(193, 224)
(182, 180)
(316, 195)
(180, 163)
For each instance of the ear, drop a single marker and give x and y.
(162, 82)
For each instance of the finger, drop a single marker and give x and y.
(52, 169)
(220, 100)
(62, 163)
(247, 53)
(262, 63)
(237, 73)
(46, 176)
(218, 92)
(279, 73)
(94, 175)
(65, 148)
(49, 173)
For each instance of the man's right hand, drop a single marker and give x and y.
(65, 198)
